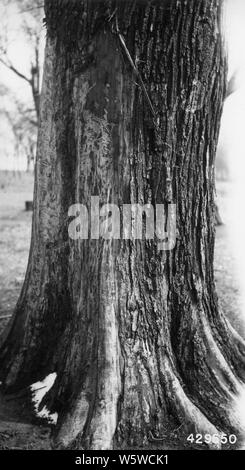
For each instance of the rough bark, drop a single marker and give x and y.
(135, 335)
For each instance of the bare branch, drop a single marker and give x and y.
(32, 8)
(32, 121)
(16, 71)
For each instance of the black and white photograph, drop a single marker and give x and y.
(122, 231)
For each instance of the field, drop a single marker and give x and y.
(15, 229)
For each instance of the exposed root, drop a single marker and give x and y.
(224, 375)
(93, 421)
(193, 419)
(74, 422)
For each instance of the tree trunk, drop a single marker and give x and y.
(130, 112)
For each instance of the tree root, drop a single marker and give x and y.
(193, 419)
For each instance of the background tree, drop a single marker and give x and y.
(21, 116)
(32, 27)
(131, 105)
(23, 125)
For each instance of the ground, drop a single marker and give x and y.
(17, 430)
(228, 268)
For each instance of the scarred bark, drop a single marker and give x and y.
(135, 335)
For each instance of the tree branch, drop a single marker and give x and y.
(32, 121)
(12, 67)
(33, 8)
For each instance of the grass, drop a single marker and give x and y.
(15, 232)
